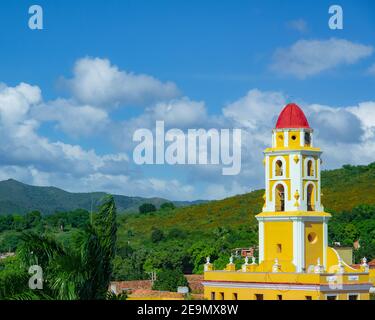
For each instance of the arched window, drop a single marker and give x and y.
(310, 168)
(279, 198)
(310, 198)
(278, 168)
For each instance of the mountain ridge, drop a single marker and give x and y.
(19, 198)
(342, 188)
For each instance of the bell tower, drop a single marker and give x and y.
(293, 224)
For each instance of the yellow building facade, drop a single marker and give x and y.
(295, 261)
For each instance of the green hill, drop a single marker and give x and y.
(343, 189)
(20, 198)
(183, 237)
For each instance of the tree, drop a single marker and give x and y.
(130, 267)
(176, 233)
(6, 222)
(81, 271)
(18, 222)
(9, 241)
(32, 219)
(167, 206)
(169, 280)
(146, 208)
(157, 235)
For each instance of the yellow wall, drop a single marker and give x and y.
(249, 294)
(314, 249)
(272, 232)
(292, 143)
(279, 139)
(296, 142)
(271, 294)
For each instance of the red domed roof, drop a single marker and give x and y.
(292, 116)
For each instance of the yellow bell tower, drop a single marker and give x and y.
(295, 261)
(292, 206)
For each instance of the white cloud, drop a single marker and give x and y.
(255, 108)
(32, 158)
(371, 70)
(96, 82)
(341, 132)
(345, 134)
(21, 145)
(181, 112)
(365, 111)
(299, 25)
(71, 118)
(309, 57)
(15, 102)
(335, 124)
(177, 113)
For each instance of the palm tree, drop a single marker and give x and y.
(82, 271)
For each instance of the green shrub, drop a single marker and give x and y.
(146, 208)
(169, 280)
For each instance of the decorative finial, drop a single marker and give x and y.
(208, 266)
(253, 260)
(246, 260)
(364, 264)
(318, 268)
(231, 260)
(276, 266)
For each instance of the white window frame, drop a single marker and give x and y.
(274, 176)
(305, 168)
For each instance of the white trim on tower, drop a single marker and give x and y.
(325, 243)
(299, 245)
(261, 241)
(286, 138)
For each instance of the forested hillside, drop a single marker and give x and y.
(180, 238)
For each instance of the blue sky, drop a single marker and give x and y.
(237, 56)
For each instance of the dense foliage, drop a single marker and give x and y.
(169, 280)
(61, 222)
(357, 224)
(81, 270)
(146, 207)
